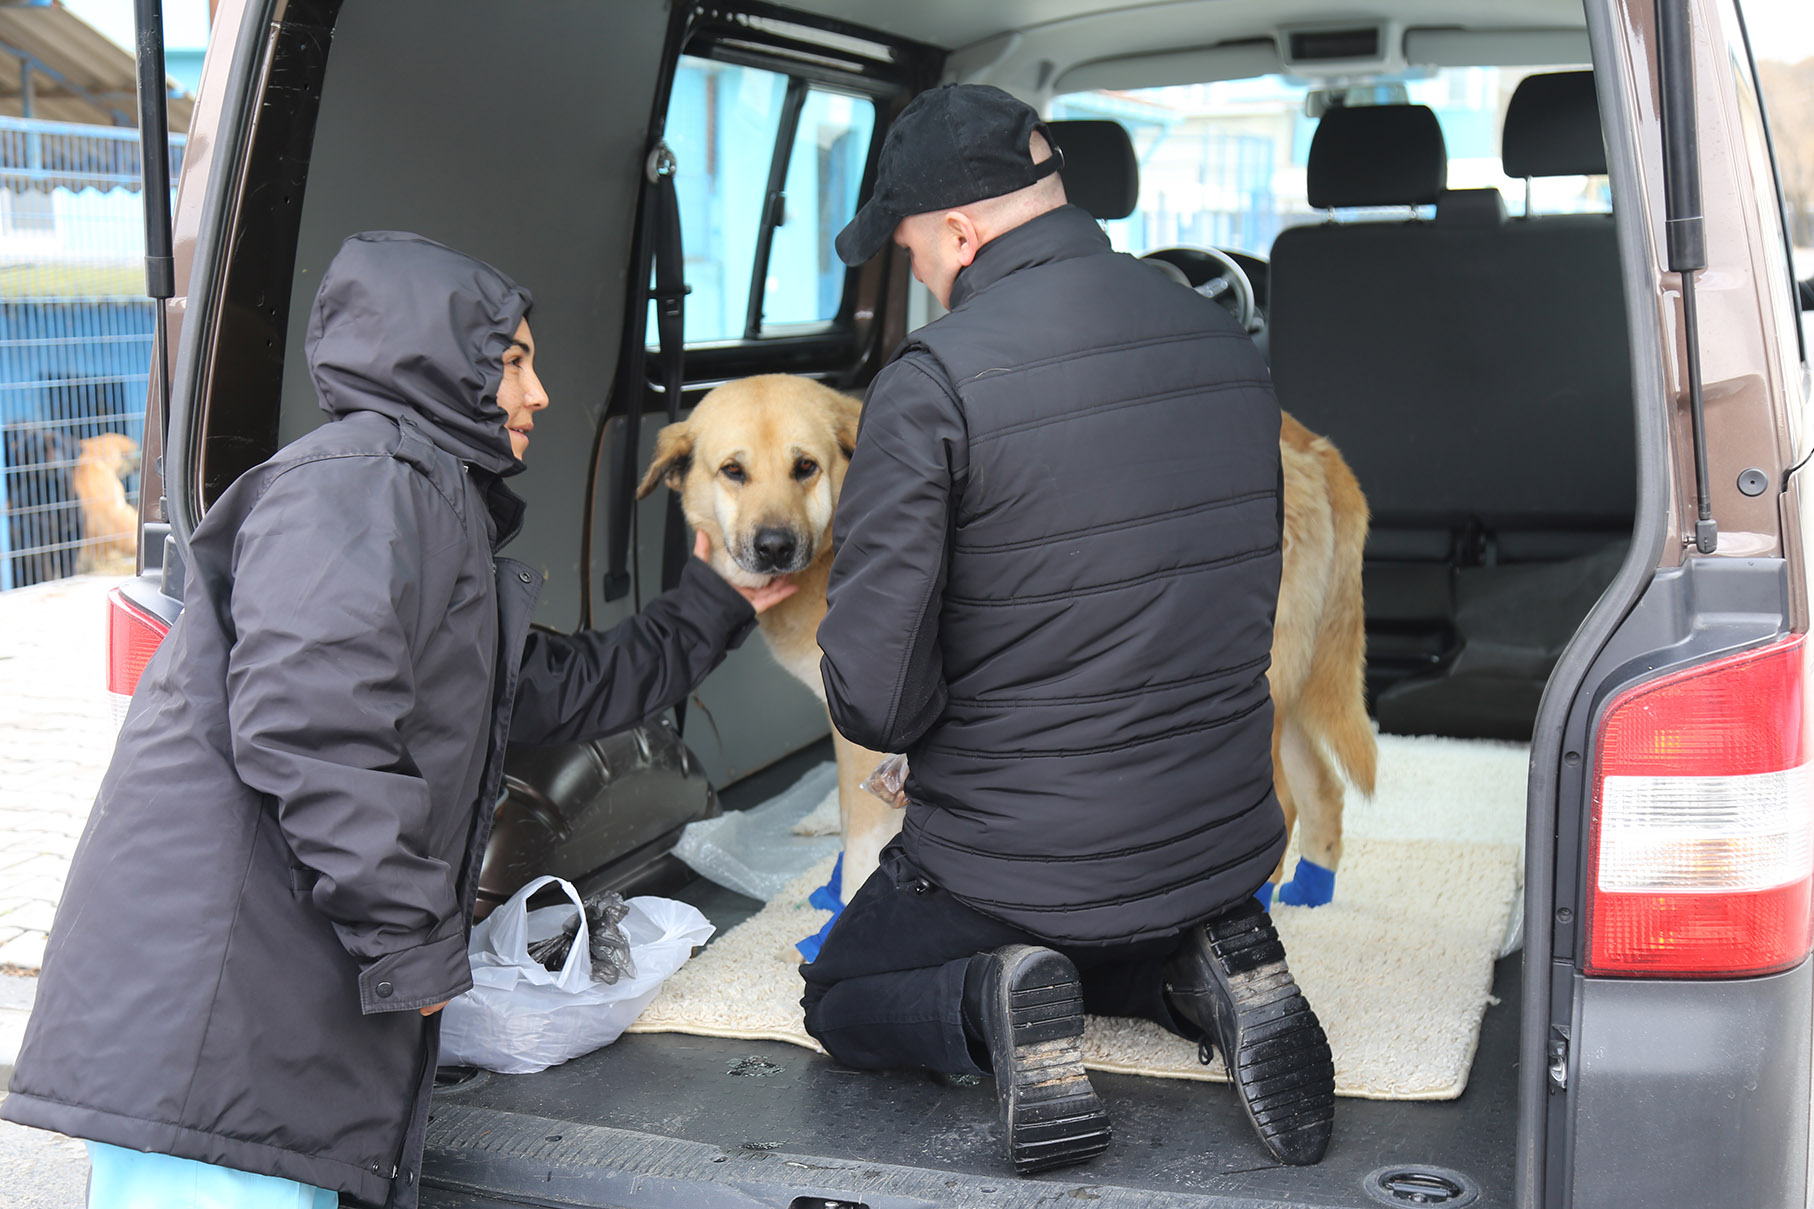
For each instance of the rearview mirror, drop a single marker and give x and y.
(1319, 101)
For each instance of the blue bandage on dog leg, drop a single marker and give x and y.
(825, 898)
(1264, 894)
(1310, 886)
(809, 948)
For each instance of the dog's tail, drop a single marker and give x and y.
(1334, 697)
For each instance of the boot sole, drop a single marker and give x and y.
(1277, 1054)
(1050, 1114)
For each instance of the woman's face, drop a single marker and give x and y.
(520, 394)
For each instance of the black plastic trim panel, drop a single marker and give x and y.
(1692, 1093)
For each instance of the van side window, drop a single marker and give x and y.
(729, 126)
(805, 276)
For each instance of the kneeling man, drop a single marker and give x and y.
(1057, 564)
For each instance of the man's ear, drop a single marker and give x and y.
(673, 458)
(845, 413)
(966, 240)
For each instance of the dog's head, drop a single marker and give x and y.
(758, 466)
(116, 451)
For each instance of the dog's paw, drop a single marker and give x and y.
(824, 819)
(1310, 886)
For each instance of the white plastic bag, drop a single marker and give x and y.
(520, 1018)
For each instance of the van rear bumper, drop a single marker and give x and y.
(1692, 1093)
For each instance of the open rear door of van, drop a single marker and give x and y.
(1668, 987)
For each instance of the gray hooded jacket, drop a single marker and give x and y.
(280, 866)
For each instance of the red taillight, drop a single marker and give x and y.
(132, 639)
(1702, 857)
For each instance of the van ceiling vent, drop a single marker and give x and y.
(1324, 45)
(1375, 48)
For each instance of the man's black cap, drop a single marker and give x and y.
(951, 146)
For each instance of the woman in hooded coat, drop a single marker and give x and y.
(273, 894)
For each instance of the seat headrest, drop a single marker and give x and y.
(1100, 172)
(1552, 127)
(1377, 155)
(1470, 208)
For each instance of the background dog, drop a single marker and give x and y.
(110, 524)
(39, 518)
(759, 465)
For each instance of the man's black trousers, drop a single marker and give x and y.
(887, 990)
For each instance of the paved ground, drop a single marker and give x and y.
(56, 733)
(38, 1170)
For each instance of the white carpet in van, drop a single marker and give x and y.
(1399, 967)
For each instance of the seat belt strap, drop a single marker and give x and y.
(669, 297)
(632, 389)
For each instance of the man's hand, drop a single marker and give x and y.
(429, 1011)
(761, 599)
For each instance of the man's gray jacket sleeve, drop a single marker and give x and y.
(597, 682)
(327, 604)
(883, 667)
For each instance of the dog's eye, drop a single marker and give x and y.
(733, 472)
(805, 468)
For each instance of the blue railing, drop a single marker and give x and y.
(75, 347)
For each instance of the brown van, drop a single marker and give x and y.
(1560, 343)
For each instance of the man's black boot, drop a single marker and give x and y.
(1229, 979)
(1031, 1013)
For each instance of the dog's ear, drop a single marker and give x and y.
(673, 458)
(845, 413)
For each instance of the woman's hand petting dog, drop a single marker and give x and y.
(761, 599)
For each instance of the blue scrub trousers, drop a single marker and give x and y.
(128, 1179)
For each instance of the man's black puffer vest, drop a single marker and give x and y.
(1101, 770)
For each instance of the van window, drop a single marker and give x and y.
(805, 276)
(726, 124)
(1766, 184)
(1223, 164)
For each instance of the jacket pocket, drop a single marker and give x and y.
(902, 872)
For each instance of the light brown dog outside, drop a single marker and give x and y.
(110, 523)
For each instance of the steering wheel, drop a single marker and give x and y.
(1214, 275)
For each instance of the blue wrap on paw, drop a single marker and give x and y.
(1310, 886)
(826, 899)
(1264, 894)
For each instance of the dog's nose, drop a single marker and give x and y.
(774, 548)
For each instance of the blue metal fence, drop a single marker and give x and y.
(75, 347)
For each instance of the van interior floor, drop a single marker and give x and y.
(631, 1124)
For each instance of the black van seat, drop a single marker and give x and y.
(1560, 313)
(1474, 372)
(1344, 333)
(1101, 173)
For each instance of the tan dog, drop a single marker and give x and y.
(759, 465)
(1319, 642)
(110, 524)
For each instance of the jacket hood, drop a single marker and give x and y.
(405, 326)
